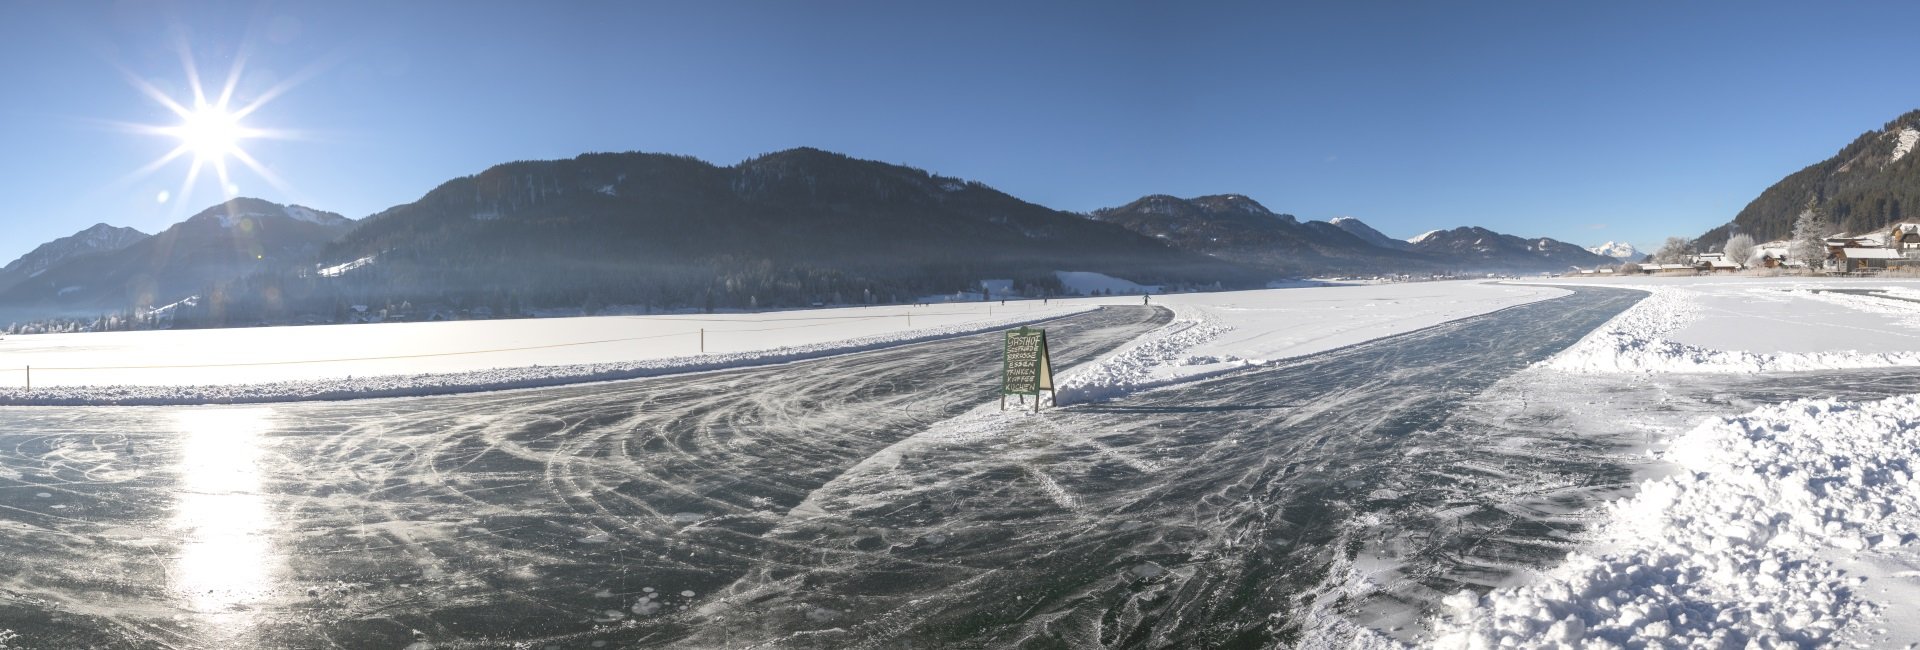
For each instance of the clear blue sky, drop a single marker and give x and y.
(1580, 121)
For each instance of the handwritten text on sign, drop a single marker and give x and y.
(1028, 370)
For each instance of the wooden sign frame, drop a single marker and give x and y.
(1026, 367)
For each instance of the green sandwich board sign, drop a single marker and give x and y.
(1026, 369)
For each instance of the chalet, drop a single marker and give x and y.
(1772, 257)
(1714, 263)
(1905, 238)
(1862, 260)
(1837, 243)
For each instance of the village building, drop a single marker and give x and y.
(1905, 238)
(1714, 263)
(1838, 243)
(1862, 260)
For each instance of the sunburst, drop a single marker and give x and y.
(213, 131)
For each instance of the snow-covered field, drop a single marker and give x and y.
(1771, 525)
(1718, 325)
(335, 361)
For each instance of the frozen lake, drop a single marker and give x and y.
(819, 504)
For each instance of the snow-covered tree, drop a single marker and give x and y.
(1739, 248)
(1810, 232)
(1675, 251)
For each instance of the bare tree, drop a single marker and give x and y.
(1739, 248)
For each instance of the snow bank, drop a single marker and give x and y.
(489, 379)
(1151, 361)
(1642, 338)
(1732, 550)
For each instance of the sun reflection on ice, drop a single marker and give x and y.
(227, 560)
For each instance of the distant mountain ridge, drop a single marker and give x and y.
(1233, 227)
(223, 243)
(1871, 183)
(1473, 247)
(99, 238)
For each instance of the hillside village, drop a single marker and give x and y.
(1895, 249)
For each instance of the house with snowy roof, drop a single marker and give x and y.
(1863, 259)
(1905, 237)
(1714, 263)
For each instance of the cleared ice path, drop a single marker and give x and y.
(1225, 513)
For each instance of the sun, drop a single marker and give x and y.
(212, 127)
(212, 133)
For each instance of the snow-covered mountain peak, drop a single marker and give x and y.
(1423, 236)
(1617, 250)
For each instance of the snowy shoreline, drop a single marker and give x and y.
(511, 378)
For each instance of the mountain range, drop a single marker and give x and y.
(791, 228)
(110, 270)
(1239, 229)
(100, 238)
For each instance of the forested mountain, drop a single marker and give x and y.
(225, 242)
(1475, 248)
(1872, 182)
(100, 238)
(785, 229)
(1234, 227)
(1237, 228)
